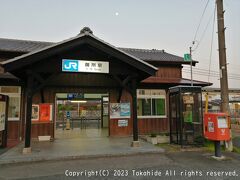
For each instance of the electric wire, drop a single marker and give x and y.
(205, 30)
(212, 74)
(210, 56)
(195, 36)
(213, 71)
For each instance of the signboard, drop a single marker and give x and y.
(68, 114)
(125, 110)
(210, 127)
(122, 123)
(71, 96)
(120, 110)
(187, 57)
(115, 110)
(35, 112)
(105, 109)
(2, 115)
(215, 96)
(69, 65)
(222, 122)
(45, 113)
(188, 99)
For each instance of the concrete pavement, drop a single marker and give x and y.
(77, 148)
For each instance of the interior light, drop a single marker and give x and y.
(78, 101)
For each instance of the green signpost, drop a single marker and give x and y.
(187, 57)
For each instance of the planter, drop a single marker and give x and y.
(152, 140)
(162, 139)
(44, 138)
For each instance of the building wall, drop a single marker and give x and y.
(114, 129)
(169, 72)
(145, 125)
(153, 125)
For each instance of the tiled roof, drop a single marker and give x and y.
(27, 46)
(82, 38)
(152, 55)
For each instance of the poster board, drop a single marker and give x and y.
(2, 115)
(45, 112)
(122, 123)
(35, 112)
(105, 109)
(120, 110)
(188, 99)
(210, 127)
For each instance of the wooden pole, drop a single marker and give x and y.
(28, 124)
(223, 63)
(134, 110)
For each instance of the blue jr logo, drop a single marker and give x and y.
(70, 65)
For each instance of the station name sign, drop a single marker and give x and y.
(70, 65)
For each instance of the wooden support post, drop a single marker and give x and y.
(135, 142)
(42, 96)
(27, 147)
(119, 95)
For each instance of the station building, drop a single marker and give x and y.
(86, 83)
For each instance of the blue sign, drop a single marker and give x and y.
(68, 114)
(71, 96)
(125, 109)
(70, 65)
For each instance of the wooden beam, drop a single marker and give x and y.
(29, 95)
(43, 84)
(134, 106)
(42, 95)
(38, 77)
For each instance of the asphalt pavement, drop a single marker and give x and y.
(171, 165)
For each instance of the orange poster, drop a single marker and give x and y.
(45, 112)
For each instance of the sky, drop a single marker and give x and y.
(153, 24)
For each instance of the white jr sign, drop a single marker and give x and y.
(70, 65)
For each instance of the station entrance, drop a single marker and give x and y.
(81, 115)
(86, 62)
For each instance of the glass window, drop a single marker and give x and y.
(158, 107)
(144, 107)
(14, 107)
(151, 103)
(14, 94)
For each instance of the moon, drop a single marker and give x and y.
(116, 13)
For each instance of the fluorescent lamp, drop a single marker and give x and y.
(78, 101)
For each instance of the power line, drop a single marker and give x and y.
(211, 74)
(205, 30)
(210, 57)
(213, 71)
(195, 36)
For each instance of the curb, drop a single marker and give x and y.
(39, 160)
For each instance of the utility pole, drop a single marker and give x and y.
(190, 49)
(223, 63)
